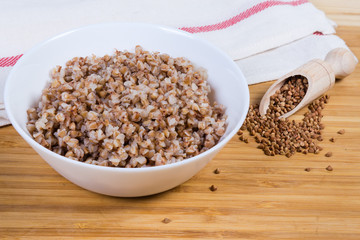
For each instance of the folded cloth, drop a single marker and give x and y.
(267, 38)
(277, 62)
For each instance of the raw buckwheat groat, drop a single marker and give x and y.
(127, 110)
(281, 136)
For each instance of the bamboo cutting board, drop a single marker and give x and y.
(258, 196)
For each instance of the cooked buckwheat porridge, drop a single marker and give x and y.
(127, 110)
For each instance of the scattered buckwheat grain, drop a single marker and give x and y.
(341, 131)
(217, 171)
(329, 168)
(328, 154)
(166, 220)
(213, 188)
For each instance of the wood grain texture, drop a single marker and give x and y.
(258, 197)
(344, 13)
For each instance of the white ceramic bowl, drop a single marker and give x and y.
(30, 75)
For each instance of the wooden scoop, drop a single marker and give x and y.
(320, 75)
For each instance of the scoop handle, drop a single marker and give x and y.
(342, 62)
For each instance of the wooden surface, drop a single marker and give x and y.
(258, 197)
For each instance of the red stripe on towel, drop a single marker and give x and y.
(9, 61)
(318, 33)
(241, 16)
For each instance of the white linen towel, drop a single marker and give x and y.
(266, 38)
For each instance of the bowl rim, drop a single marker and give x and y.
(186, 161)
